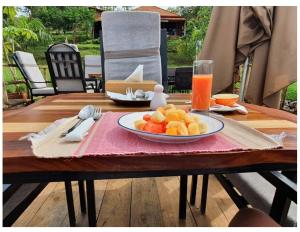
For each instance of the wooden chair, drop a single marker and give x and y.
(65, 68)
(34, 79)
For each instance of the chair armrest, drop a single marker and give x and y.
(283, 183)
(40, 82)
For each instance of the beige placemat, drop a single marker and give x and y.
(53, 146)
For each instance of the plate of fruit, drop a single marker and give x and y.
(170, 125)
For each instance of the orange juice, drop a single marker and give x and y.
(201, 91)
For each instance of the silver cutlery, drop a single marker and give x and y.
(130, 94)
(94, 112)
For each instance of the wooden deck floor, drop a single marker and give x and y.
(131, 202)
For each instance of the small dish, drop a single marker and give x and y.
(226, 99)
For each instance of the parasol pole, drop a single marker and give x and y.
(244, 81)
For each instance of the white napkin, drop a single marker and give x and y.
(236, 107)
(137, 75)
(80, 132)
(42, 134)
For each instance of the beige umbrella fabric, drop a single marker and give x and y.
(268, 34)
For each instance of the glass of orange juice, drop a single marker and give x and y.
(202, 84)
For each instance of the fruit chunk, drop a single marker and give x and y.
(157, 117)
(195, 118)
(194, 128)
(187, 119)
(173, 124)
(203, 127)
(169, 106)
(172, 115)
(147, 117)
(139, 124)
(171, 131)
(162, 110)
(182, 130)
(153, 127)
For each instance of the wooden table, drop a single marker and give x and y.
(20, 165)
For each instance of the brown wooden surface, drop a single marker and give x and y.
(117, 205)
(18, 157)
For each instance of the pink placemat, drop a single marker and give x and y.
(108, 139)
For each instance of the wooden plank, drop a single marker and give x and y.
(214, 216)
(82, 219)
(115, 208)
(24, 127)
(56, 204)
(269, 124)
(31, 211)
(145, 206)
(229, 209)
(168, 192)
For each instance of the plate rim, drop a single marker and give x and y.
(171, 136)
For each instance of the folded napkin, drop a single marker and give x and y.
(80, 132)
(236, 107)
(137, 75)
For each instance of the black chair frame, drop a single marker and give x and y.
(71, 62)
(28, 82)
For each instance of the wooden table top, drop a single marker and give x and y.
(18, 157)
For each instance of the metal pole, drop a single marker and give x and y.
(244, 81)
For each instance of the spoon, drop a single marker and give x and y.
(84, 113)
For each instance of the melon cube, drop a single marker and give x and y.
(157, 117)
(139, 124)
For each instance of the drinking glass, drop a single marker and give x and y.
(202, 84)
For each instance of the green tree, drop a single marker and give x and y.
(19, 32)
(63, 18)
(197, 20)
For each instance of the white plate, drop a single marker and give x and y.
(127, 122)
(224, 108)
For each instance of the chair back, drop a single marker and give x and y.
(183, 78)
(65, 68)
(29, 69)
(92, 65)
(129, 39)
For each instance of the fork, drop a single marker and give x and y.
(97, 113)
(130, 93)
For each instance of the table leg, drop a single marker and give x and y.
(182, 197)
(82, 196)
(90, 191)
(70, 203)
(193, 189)
(204, 194)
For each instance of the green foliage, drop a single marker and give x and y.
(196, 27)
(291, 93)
(63, 18)
(22, 31)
